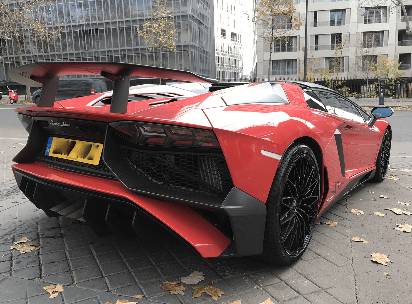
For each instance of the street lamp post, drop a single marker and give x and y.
(305, 54)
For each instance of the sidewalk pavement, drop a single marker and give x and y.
(99, 270)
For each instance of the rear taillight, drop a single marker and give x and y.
(140, 132)
(92, 91)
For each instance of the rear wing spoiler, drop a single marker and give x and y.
(46, 75)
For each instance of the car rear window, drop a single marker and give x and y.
(75, 84)
(256, 93)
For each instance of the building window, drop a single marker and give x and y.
(316, 42)
(335, 64)
(405, 61)
(374, 15)
(282, 22)
(233, 36)
(404, 39)
(284, 67)
(372, 39)
(367, 60)
(408, 9)
(223, 33)
(335, 40)
(337, 17)
(286, 44)
(315, 19)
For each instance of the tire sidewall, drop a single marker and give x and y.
(273, 229)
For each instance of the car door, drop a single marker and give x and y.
(358, 138)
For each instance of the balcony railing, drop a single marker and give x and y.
(289, 49)
(328, 23)
(404, 66)
(406, 42)
(329, 47)
(285, 72)
(404, 18)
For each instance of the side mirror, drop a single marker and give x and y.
(380, 112)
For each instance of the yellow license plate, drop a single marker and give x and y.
(75, 150)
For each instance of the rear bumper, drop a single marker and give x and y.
(107, 206)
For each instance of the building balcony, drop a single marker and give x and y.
(404, 66)
(405, 42)
(290, 49)
(404, 18)
(284, 72)
(328, 23)
(328, 47)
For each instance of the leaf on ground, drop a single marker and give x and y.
(175, 287)
(25, 248)
(392, 177)
(194, 278)
(214, 282)
(1, 151)
(405, 204)
(22, 144)
(358, 239)
(214, 292)
(378, 213)
(53, 290)
(236, 302)
(385, 273)
(22, 240)
(332, 223)
(138, 296)
(406, 170)
(318, 223)
(12, 147)
(404, 228)
(380, 258)
(383, 196)
(399, 211)
(356, 211)
(268, 301)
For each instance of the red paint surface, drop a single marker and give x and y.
(198, 232)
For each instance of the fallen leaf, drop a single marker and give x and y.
(378, 213)
(268, 301)
(236, 302)
(380, 258)
(25, 248)
(358, 239)
(318, 223)
(1, 151)
(74, 284)
(356, 211)
(392, 177)
(331, 223)
(383, 196)
(406, 170)
(175, 287)
(214, 292)
(49, 288)
(404, 228)
(385, 273)
(405, 204)
(53, 295)
(214, 281)
(12, 147)
(138, 296)
(194, 278)
(22, 144)
(22, 240)
(122, 302)
(399, 211)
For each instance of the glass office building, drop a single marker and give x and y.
(106, 30)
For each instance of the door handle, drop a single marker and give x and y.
(348, 127)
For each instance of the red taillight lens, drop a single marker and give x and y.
(159, 134)
(92, 91)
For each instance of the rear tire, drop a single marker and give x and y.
(382, 162)
(292, 206)
(11, 101)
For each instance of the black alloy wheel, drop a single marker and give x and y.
(292, 206)
(382, 162)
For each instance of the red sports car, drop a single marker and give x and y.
(237, 171)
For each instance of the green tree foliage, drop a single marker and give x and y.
(19, 24)
(160, 32)
(276, 19)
